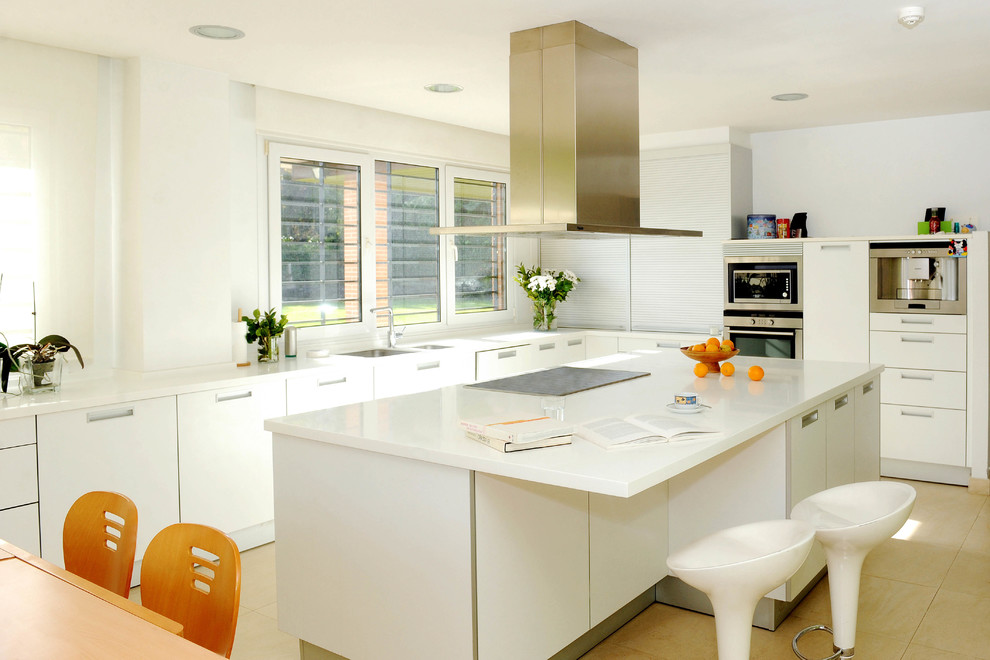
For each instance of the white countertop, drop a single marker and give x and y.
(425, 426)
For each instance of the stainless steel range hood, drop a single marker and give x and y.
(574, 136)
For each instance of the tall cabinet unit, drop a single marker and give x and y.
(834, 278)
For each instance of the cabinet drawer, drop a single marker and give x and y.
(17, 432)
(20, 527)
(503, 361)
(950, 323)
(424, 373)
(934, 389)
(916, 350)
(659, 343)
(18, 476)
(927, 435)
(333, 387)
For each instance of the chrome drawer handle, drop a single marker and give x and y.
(905, 321)
(917, 377)
(233, 397)
(547, 347)
(337, 381)
(575, 342)
(868, 387)
(841, 401)
(809, 419)
(109, 414)
(908, 413)
(918, 340)
(839, 246)
(506, 354)
(668, 344)
(427, 365)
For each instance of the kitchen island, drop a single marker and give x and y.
(399, 537)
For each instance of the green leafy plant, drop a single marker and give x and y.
(265, 329)
(545, 289)
(42, 353)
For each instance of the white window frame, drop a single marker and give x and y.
(482, 318)
(367, 328)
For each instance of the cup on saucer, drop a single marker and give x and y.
(686, 400)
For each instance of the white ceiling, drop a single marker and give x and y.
(702, 63)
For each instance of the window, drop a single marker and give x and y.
(407, 274)
(320, 242)
(348, 233)
(18, 233)
(479, 275)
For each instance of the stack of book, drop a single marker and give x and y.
(519, 434)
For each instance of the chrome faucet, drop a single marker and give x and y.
(393, 334)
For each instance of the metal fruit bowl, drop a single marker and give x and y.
(710, 358)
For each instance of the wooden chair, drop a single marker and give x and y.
(99, 537)
(192, 574)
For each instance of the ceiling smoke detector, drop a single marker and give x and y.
(911, 16)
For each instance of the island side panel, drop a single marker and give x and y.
(532, 555)
(374, 552)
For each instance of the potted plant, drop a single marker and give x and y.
(265, 329)
(545, 289)
(37, 362)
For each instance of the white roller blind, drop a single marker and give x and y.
(677, 282)
(601, 299)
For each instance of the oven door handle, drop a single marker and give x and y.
(771, 333)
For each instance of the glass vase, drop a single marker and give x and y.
(267, 349)
(544, 314)
(38, 377)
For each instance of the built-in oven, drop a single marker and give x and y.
(757, 334)
(763, 283)
(763, 302)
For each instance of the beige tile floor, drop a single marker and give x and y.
(922, 597)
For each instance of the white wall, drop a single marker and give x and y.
(876, 178)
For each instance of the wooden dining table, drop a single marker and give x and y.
(47, 612)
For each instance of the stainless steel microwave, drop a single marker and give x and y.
(763, 283)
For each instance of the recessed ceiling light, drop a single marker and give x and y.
(216, 32)
(444, 88)
(795, 96)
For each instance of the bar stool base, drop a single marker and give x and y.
(839, 654)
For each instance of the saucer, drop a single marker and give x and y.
(686, 411)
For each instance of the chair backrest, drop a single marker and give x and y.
(98, 540)
(192, 574)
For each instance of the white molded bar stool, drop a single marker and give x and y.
(849, 522)
(736, 567)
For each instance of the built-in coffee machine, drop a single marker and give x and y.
(925, 277)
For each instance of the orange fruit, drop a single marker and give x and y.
(713, 343)
(698, 347)
(756, 373)
(727, 369)
(701, 370)
(727, 345)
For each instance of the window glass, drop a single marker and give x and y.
(18, 234)
(479, 273)
(407, 274)
(320, 234)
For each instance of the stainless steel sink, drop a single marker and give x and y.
(431, 347)
(377, 352)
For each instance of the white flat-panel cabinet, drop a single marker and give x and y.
(225, 457)
(600, 346)
(840, 442)
(336, 386)
(500, 362)
(19, 484)
(126, 448)
(866, 399)
(419, 373)
(530, 604)
(835, 276)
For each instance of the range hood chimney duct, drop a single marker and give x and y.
(574, 136)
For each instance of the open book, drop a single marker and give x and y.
(639, 430)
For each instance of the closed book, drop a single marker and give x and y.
(508, 447)
(518, 430)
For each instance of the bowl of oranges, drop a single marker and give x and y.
(710, 354)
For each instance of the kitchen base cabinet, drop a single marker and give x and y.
(225, 460)
(840, 441)
(866, 399)
(19, 484)
(128, 448)
(19, 525)
(419, 373)
(329, 387)
(500, 362)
